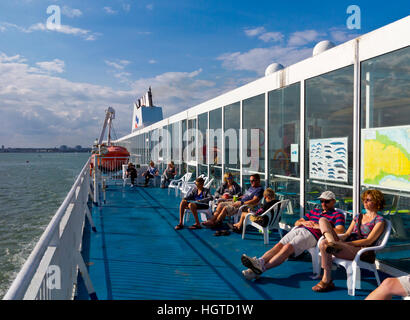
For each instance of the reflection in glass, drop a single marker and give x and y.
(231, 127)
(385, 102)
(215, 145)
(329, 114)
(284, 133)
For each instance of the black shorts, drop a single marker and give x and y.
(201, 206)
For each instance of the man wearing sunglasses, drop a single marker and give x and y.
(299, 239)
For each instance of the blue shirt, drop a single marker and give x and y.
(252, 192)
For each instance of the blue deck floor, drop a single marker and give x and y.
(136, 254)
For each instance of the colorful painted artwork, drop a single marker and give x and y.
(328, 159)
(386, 157)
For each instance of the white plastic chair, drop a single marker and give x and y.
(315, 253)
(274, 213)
(125, 179)
(353, 266)
(186, 186)
(174, 184)
(204, 214)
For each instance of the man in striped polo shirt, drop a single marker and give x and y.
(299, 239)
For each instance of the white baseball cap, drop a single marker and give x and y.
(327, 195)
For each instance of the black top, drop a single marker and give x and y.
(224, 188)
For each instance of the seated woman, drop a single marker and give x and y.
(228, 189)
(150, 173)
(197, 199)
(362, 232)
(269, 196)
(169, 174)
(251, 198)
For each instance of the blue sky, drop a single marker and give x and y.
(56, 84)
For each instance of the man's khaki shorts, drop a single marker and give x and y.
(230, 209)
(301, 239)
(405, 282)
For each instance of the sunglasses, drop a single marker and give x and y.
(325, 201)
(368, 200)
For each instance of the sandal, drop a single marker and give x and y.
(225, 233)
(236, 229)
(323, 286)
(194, 227)
(179, 227)
(218, 233)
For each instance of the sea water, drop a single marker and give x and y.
(32, 188)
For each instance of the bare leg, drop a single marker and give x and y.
(241, 220)
(193, 208)
(388, 288)
(328, 232)
(182, 207)
(277, 255)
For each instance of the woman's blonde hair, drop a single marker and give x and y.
(269, 193)
(226, 176)
(377, 197)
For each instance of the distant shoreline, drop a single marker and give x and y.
(45, 150)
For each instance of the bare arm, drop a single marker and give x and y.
(373, 236)
(253, 202)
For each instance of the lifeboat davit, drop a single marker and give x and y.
(112, 158)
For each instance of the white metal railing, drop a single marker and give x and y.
(51, 270)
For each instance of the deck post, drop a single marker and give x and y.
(86, 277)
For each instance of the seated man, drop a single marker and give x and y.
(131, 172)
(150, 173)
(269, 196)
(197, 198)
(297, 240)
(391, 287)
(251, 198)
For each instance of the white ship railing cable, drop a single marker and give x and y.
(58, 250)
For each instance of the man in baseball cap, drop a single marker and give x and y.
(303, 237)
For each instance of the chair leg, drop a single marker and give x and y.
(376, 274)
(265, 232)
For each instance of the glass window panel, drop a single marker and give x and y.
(232, 124)
(385, 106)
(215, 142)
(202, 144)
(253, 139)
(284, 137)
(329, 115)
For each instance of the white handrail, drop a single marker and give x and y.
(21, 283)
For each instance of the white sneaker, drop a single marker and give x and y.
(252, 263)
(250, 275)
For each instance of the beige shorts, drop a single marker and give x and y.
(405, 282)
(301, 239)
(230, 209)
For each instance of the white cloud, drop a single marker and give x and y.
(255, 31)
(152, 61)
(70, 12)
(340, 35)
(56, 66)
(271, 36)
(42, 109)
(109, 10)
(119, 64)
(150, 6)
(258, 59)
(66, 29)
(301, 38)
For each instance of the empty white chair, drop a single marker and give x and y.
(174, 184)
(353, 266)
(274, 214)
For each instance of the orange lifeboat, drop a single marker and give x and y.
(112, 158)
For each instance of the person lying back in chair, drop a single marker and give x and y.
(363, 231)
(299, 239)
(251, 198)
(269, 196)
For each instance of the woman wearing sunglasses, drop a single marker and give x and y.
(364, 230)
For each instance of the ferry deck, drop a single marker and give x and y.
(136, 254)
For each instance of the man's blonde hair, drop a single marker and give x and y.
(269, 193)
